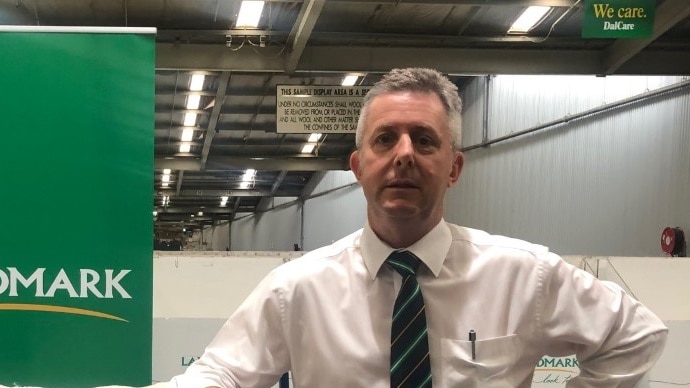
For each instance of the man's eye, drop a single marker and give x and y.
(425, 141)
(383, 139)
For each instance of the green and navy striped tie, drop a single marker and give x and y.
(410, 365)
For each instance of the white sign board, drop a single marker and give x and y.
(318, 108)
(555, 371)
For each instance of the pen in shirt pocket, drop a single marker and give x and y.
(473, 343)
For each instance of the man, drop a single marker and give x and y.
(486, 308)
(327, 316)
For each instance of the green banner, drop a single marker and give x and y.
(618, 19)
(77, 172)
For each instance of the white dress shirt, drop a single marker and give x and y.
(326, 317)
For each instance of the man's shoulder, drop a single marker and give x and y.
(482, 239)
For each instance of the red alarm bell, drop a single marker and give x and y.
(673, 241)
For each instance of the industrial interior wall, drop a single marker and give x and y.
(604, 184)
(333, 208)
(276, 229)
(340, 211)
(216, 237)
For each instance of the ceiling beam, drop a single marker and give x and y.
(215, 57)
(301, 30)
(215, 193)
(382, 59)
(178, 186)
(646, 62)
(236, 207)
(392, 38)
(452, 60)
(266, 164)
(167, 109)
(265, 201)
(268, 141)
(195, 210)
(666, 15)
(162, 128)
(215, 114)
(515, 3)
(375, 59)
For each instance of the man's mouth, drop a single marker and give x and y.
(402, 185)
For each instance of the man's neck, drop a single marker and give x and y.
(401, 233)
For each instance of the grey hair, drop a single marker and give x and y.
(422, 80)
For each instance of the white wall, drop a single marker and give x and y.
(274, 230)
(329, 217)
(604, 185)
(220, 237)
(193, 295)
(662, 285)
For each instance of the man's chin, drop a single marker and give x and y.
(401, 211)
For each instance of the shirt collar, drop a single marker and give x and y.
(431, 249)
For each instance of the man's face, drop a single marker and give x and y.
(406, 162)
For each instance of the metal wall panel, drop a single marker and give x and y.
(274, 230)
(332, 216)
(473, 107)
(339, 211)
(604, 185)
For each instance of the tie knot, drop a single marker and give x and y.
(405, 262)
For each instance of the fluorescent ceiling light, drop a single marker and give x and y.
(193, 101)
(185, 147)
(189, 119)
(349, 80)
(308, 148)
(314, 137)
(529, 18)
(165, 185)
(249, 175)
(244, 185)
(200, 214)
(197, 82)
(155, 213)
(187, 134)
(166, 178)
(167, 171)
(250, 13)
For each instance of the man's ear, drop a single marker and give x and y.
(456, 168)
(354, 163)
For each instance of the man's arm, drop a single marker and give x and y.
(250, 350)
(616, 338)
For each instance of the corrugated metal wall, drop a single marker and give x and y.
(335, 207)
(329, 217)
(274, 230)
(603, 185)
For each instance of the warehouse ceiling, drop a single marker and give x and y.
(317, 42)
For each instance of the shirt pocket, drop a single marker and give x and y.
(491, 366)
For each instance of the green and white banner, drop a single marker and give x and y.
(618, 19)
(76, 199)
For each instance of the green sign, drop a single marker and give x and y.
(618, 19)
(75, 243)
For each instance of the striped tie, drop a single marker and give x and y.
(410, 366)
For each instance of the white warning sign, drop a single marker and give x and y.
(318, 108)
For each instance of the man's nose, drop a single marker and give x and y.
(404, 151)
